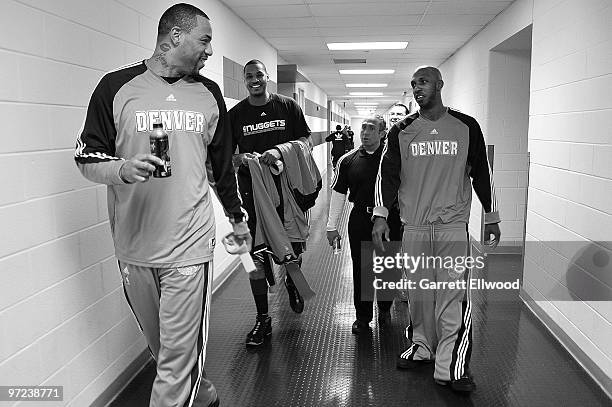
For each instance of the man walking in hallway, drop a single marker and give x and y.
(356, 172)
(340, 143)
(259, 123)
(427, 165)
(164, 228)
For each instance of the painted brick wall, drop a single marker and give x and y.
(63, 316)
(570, 142)
(570, 194)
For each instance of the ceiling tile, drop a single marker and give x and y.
(274, 32)
(237, 3)
(468, 7)
(300, 29)
(456, 19)
(300, 22)
(358, 21)
(382, 8)
(274, 11)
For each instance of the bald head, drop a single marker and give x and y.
(427, 86)
(372, 131)
(382, 124)
(429, 70)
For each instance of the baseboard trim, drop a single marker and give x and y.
(598, 375)
(225, 274)
(121, 382)
(117, 386)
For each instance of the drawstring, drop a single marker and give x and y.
(432, 231)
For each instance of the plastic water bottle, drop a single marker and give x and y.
(337, 246)
(233, 245)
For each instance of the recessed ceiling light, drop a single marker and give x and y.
(365, 93)
(366, 85)
(347, 46)
(366, 71)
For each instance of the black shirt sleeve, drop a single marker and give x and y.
(388, 178)
(220, 152)
(96, 142)
(301, 128)
(478, 163)
(340, 182)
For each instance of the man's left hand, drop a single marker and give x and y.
(492, 229)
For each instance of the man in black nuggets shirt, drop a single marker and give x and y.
(356, 173)
(259, 123)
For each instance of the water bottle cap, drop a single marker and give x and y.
(158, 125)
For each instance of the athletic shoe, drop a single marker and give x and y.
(463, 385)
(359, 327)
(262, 329)
(405, 360)
(295, 299)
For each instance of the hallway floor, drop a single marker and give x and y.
(312, 359)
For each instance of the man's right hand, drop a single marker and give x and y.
(332, 235)
(380, 231)
(139, 168)
(241, 159)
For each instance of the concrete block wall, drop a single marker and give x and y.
(507, 127)
(63, 316)
(570, 193)
(467, 86)
(570, 175)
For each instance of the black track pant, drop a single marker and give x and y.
(360, 230)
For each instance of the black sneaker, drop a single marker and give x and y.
(359, 327)
(464, 384)
(295, 299)
(262, 329)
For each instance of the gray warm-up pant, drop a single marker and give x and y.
(172, 309)
(440, 319)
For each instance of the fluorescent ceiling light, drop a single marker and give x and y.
(365, 93)
(348, 46)
(366, 104)
(366, 85)
(364, 97)
(365, 71)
